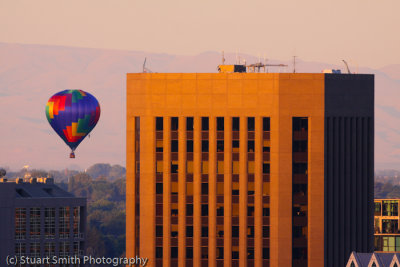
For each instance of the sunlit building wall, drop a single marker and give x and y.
(249, 169)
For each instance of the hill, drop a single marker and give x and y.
(30, 74)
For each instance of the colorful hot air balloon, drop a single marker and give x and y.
(73, 114)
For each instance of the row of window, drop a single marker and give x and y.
(204, 253)
(49, 226)
(49, 248)
(205, 124)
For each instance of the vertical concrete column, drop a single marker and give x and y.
(243, 192)
(182, 192)
(130, 187)
(212, 193)
(258, 183)
(196, 191)
(316, 189)
(147, 188)
(167, 192)
(228, 192)
(281, 191)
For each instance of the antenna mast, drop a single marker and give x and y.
(294, 64)
(347, 66)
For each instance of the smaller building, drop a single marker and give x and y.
(39, 219)
(386, 225)
(376, 259)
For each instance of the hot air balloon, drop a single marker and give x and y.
(73, 114)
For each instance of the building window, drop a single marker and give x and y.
(189, 188)
(159, 123)
(220, 252)
(159, 188)
(20, 223)
(174, 166)
(64, 249)
(204, 124)
(378, 208)
(204, 209)
(50, 222)
(77, 221)
(189, 146)
(174, 123)
(220, 210)
(174, 188)
(159, 166)
(189, 252)
(49, 249)
(235, 231)
(220, 167)
(189, 231)
(235, 167)
(174, 145)
(235, 189)
(189, 209)
(159, 146)
(235, 146)
(220, 188)
(63, 215)
(35, 249)
(220, 123)
(265, 231)
(250, 124)
(390, 208)
(20, 250)
(220, 145)
(235, 252)
(159, 230)
(159, 252)
(189, 124)
(204, 146)
(34, 223)
(174, 252)
(204, 252)
(204, 231)
(235, 124)
(266, 253)
(250, 146)
(189, 167)
(250, 167)
(204, 165)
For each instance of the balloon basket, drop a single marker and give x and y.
(72, 155)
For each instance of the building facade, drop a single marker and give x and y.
(386, 225)
(39, 219)
(249, 169)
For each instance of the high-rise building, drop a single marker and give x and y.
(39, 220)
(249, 169)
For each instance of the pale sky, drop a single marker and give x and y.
(364, 32)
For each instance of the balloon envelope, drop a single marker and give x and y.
(73, 114)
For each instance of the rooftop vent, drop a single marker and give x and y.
(332, 71)
(48, 180)
(22, 193)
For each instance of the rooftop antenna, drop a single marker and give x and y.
(145, 70)
(294, 64)
(223, 58)
(347, 66)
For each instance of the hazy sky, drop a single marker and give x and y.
(364, 32)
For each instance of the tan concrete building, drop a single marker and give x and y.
(249, 169)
